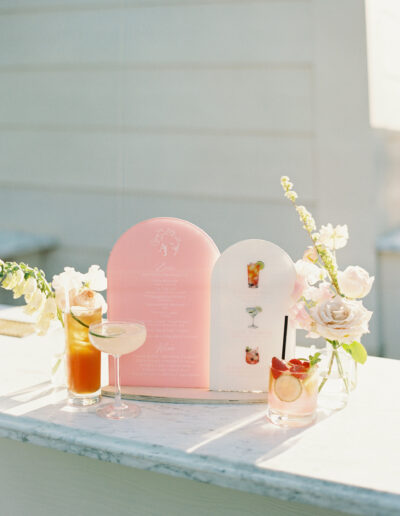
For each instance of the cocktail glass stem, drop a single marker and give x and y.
(118, 404)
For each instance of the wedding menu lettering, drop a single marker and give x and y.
(159, 273)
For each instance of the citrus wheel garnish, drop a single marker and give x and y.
(288, 388)
(75, 318)
(260, 265)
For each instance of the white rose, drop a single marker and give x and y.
(333, 238)
(355, 282)
(340, 319)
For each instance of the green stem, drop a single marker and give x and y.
(341, 372)
(320, 248)
(329, 372)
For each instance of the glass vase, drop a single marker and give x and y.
(338, 378)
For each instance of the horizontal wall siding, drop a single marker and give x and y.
(216, 33)
(240, 100)
(97, 220)
(113, 112)
(179, 164)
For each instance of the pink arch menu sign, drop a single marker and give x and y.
(159, 272)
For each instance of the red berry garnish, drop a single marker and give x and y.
(275, 373)
(295, 361)
(299, 372)
(278, 364)
(306, 364)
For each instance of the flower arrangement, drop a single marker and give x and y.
(50, 300)
(326, 301)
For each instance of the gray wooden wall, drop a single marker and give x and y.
(112, 112)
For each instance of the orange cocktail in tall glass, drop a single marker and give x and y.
(83, 359)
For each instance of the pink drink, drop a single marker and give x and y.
(293, 392)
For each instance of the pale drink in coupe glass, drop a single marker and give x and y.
(293, 391)
(253, 273)
(116, 339)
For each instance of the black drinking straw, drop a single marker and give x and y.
(284, 337)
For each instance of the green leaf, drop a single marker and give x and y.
(314, 359)
(357, 351)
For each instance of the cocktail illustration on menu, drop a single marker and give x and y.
(253, 273)
(253, 311)
(252, 355)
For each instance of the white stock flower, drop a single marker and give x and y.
(19, 289)
(311, 272)
(68, 280)
(355, 282)
(310, 254)
(48, 313)
(36, 301)
(340, 319)
(95, 278)
(13, 279)
(333, 238)
(29, 287)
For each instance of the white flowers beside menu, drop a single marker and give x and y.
(327, 301)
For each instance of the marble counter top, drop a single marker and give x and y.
(348, 461)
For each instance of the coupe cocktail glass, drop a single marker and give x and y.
(293, 391)
(253, 273)
(83, 360)
(253, 311)
(116, 339)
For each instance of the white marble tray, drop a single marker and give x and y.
(180, 395)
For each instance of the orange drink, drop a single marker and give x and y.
(253, 273)
(83, 359)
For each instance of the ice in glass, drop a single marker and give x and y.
(83, 359)
(293, 392)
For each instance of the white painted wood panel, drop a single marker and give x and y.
(59, 98)
(211, 33)
(50, 482)
(23, 6)
(347, 183)
(97, 220)
(217, 165)
(383, 22)
(241, 100)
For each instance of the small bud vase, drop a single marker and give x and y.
(338, 378)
